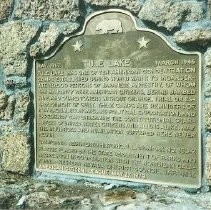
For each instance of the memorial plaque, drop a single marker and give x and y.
(118, 102)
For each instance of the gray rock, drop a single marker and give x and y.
(16, 82)
(201, 36)
(109, 186)
(132, 5)
(208, 161)
(86, 204)
(186, 206)
(207, 88)
(48, 38)
(5, 8)
(208, 58)
(5, 200)
(207, 72)
(68, 27)
(156, 205)
(33, 194)
(7, 105)
(22, 201)
(6, 127)
(98, 2)
(48, 10)
(45, 200)
(9, 110)
(131, 206)
(16, 153)
(15, 36)
(170, 14)
(117, 196)
(141, 197)
(207, 117)
(3, 99)
(110, 207)
(37, 200)
(22, 108)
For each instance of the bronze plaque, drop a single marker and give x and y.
(118, 102)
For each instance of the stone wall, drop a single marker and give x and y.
(35, 27)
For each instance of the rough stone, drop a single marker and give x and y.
(9, 111)
(7, 105)
(170, 14)
(201, 36)
(141, 197)
(68, 28)
(118, 195)
(44, 200)
(16, 153)
(208, 160)
(22, 108)
(132, 5)
(41, 199)
(207, 116)
(22, 202)
(207, 88)
(130, 206)
(6, 127)
(98, 2)
(207, 63)
(36, 194)
(207, 73)
(46, 40)
(5, 8)
(16, 82)
(4, 200)
(208, 58)
(109, 186)
(67, 10)
(86, 204)
(3, 99)
(15, 36)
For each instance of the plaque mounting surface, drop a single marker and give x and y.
(118, 102)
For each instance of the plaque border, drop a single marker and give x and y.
(104, 178)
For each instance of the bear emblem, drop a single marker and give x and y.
(109, 27)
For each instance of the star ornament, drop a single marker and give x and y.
(143, 42)
(77, 46)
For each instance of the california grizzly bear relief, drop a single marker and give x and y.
(109, 27)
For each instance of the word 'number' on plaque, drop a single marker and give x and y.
(118, 102)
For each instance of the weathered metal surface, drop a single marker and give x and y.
(119, 103)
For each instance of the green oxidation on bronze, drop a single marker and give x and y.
(119, 103)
